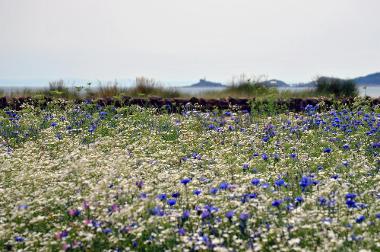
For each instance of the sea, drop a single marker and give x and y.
(372, 91)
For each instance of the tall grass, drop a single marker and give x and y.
(150, 87)
(243, 87)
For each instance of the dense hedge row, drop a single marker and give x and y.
(178, 104)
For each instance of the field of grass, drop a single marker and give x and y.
(92, 178)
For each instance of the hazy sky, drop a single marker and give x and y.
(294, 40)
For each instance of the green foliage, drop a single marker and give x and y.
(337, 87)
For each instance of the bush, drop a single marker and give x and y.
(245, 87)
(337, 87)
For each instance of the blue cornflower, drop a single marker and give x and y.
(327, 150)
(351, 203)
(197, 192)
(185, 181)
(171, 202)
(211, 127)
(255, 181)
(266, 139)
(280, 182)
(252, 195)
(360, 219)
(276, 203)
(19, 239)
(265, 185)
(92, 128)
(351, 196)
(299, 199)
(293, 156)
(305, 182)
(176, 195)
(264, 156)
(322, 201)
(54, 124)
(223, 186)
(213, 190)
(377, 216)
(335, 176)
(162, 196)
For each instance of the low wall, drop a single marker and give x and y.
(178, 104)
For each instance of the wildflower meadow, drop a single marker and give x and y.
(84, 177)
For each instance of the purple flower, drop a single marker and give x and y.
(140, 184)
(181, 231)
(23, 207)
(205, 214)
(157, 211)
(264, 156)
(185, 215)
(107, 231)
(74, 212)
(245, 166)
(244, 216)
(230, 214)
(61, 234)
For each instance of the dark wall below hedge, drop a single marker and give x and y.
(178, 104)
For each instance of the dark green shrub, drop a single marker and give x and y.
(337, 87)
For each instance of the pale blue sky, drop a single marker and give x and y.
(294, 40)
